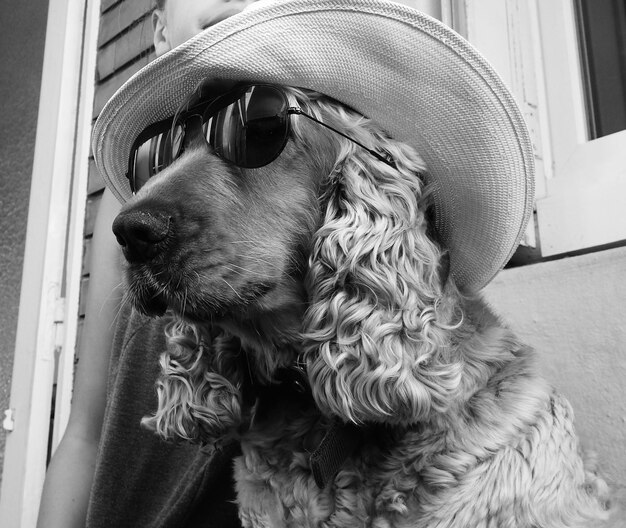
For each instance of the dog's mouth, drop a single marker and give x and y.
(145, 295)
(191, 301)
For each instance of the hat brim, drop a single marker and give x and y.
(418, 79)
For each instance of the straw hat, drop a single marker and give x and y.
(418, 79)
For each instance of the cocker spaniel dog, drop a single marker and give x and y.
(315, 321)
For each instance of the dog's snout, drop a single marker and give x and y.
(140, 232)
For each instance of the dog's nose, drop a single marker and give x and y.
(139, 233)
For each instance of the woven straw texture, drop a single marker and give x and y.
(414, 76)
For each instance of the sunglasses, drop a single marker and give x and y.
(247, 126)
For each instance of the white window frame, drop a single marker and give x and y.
(585, 202)
(48, 312)
(581, 183)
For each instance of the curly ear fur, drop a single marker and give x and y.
(199, 390)
(378, 339)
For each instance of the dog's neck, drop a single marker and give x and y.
(279, 398)
(272, 340)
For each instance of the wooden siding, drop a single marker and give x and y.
(124, 47)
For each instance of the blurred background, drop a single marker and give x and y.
(564, 290)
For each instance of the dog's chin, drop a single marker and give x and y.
(155, 306)
(158, 304)
(197, 308)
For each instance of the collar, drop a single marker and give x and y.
(339, 442)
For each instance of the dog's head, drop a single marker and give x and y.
(218, 243)
(326, 252)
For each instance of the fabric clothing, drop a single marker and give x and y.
(141, 481)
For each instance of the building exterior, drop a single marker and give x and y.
(564, 291)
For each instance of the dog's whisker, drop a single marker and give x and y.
(248, 271)
(233, 270)
(125, 301)
(255, 259)
(184, 301)
(247, 257)
(230, 286)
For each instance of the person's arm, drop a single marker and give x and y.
(70, 473)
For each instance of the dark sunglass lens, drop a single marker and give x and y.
(178, 136)
(252, 131)
(150, 158)
(143, 165)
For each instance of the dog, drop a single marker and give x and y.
(315, 321)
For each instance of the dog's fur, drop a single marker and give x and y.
(326, 258)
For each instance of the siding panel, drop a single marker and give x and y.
(125, 46)
(120, 52)
(106, 89)
(121, 17)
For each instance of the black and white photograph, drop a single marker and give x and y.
(313, 264)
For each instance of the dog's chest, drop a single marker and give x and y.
(276, 489)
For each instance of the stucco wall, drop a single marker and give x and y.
(22, 36)
(573, 312)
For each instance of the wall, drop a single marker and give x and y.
(572, 312)
(22, 38)
(124, 47)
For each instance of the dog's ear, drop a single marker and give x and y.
(377, 332)
(199, 390)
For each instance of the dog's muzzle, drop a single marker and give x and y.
(140, 232)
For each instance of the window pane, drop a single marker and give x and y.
(602, 29)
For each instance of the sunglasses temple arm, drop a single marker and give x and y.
(298, 111)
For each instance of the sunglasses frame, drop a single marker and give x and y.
(217, 104)
(167, 127)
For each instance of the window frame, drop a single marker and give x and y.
(49, 298)
(587, 189)
(581, 182)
